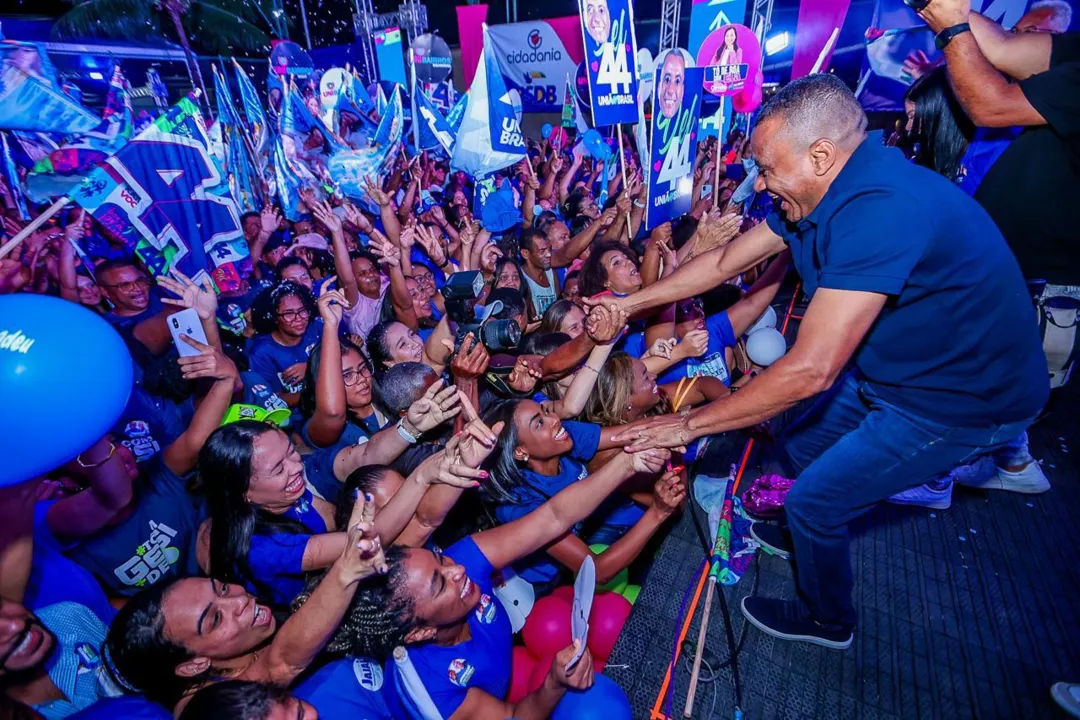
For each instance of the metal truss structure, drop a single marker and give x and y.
(411, 16)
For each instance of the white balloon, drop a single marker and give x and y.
(766, 346)
(767, 320)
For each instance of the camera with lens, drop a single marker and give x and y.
(460, 293)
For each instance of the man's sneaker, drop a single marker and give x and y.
(772, 538)
(984, 475)
(789, 620)
(930, 495)
(1067, 695)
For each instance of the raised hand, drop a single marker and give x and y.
(332, 306)
(202, 298)
(407, 237)
(608, 217)
(525, 373)
(661, 348)
(447, 468)
(363, 554)
(387, 252)
(439, 404)
(432, 244)
(325, 214)
(669, 493)
(664, 431)
(269, 219)
(376, 193)
(209, 363)
(716, 231)
(579, 677)
(357, 219)
(477, 440)
(649, 460)
(605, 323)
(76, 229)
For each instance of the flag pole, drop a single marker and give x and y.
(625, 183)
(34, 225)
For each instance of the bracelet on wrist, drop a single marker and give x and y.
(91, 466)
(404, 432)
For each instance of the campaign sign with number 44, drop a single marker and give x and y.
(607, 27)
(675, 112)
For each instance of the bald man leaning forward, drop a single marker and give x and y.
(918, 340)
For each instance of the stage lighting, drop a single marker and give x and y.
(777, 42)
(95, 75)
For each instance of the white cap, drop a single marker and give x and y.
(517, 597)
(766, 346)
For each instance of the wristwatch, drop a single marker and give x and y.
(944, 37)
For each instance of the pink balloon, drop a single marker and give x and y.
(524, 662)
(547, 631)
(565, 592)
(539, 672)
(606, 621)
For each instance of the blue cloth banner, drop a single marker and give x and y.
(610, 60)
(504, 106)
(454, 117)
(350, 169)
(30, 97)
(164, 195)
(433, 132)
(287, 180)
(674, 143)
(10, 177)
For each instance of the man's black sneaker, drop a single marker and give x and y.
(789, 620)
(772, 538)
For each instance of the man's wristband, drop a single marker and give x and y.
(944, 37)
(405, 434)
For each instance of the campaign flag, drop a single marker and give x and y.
(30, 97)
(239, 163)
(489, 138)
(350, 169)
(457, 113)
(442, 96)
(380, 100)
(676, 111)
(571, 115)
(707, 16)
(164, 195)
(287, 180)
(257, 126)
(298, 121)
(10, 177)
(607, 27)
(535, 58)
(358, 94)
(65, 166)
(504, 108)
(896, 34)
(432, 130)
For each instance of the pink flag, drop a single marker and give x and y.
(471, 19)
(816, 34)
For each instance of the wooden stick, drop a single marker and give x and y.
(34, 225)
(710, 588)
(625, 182)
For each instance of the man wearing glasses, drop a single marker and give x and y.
(136, 310)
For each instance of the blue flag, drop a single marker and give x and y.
(286, 180)
(504, 106)
(454, 117)
(489, 138)
(432, 130)
(298, 120)
(10, 177)
(165, 196)
(239, 164)
(257, 126)
(30, 97)
(350, 169)
(359, 95)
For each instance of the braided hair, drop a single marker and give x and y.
(380, 615)
(265, 306)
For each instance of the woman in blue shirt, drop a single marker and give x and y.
(539, 455)
(287, 334)
(268, 530)
(348, 689)
(443, 607)
(172, 639)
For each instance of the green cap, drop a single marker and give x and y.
(235, 413)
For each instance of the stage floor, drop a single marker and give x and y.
(969, 612)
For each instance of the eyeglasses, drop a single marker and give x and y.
(291, 315)
(351, 377)
(130, 285)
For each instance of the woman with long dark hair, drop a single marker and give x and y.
(442, 607)
(287, 331)
(172, 639)
(268, 530)
(937, 119)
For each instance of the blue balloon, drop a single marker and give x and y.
(595, 145)
(546, 130)
(603, 701)
(65, 377)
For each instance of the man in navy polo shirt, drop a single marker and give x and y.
(913, 289)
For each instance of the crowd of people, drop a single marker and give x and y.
(353, 459)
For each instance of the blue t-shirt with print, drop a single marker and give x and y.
(257, 392)
(55, 578)
(128, 707)
(319, 464)
(277, 559)
(537, 489)
(713, 363)
(155, 542)
(270, 358)
(482, 661)
(127, 324)
(346, 689)
(148, 425)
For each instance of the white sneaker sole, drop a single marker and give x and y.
(996, 483)
(782, 554)
(812, 639)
